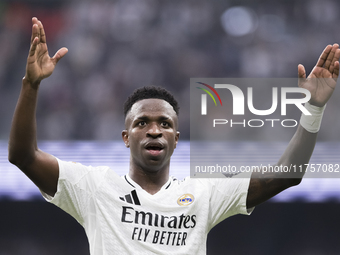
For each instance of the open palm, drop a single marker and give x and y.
(322, 80)
(39, 64)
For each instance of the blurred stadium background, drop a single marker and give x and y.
(117, 46)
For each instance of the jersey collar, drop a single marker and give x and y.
(135, 185)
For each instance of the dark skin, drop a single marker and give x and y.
(151, 134)
(151, 128)
(301, 146)
(39, 166)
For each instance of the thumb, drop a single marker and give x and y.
(301, 71)
(59, 54)
(301, 74)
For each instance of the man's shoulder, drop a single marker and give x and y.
(209, 182)
(191, 182)
(78, 171)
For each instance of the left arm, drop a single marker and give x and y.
(300, 148)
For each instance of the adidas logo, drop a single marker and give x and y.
(131, 200)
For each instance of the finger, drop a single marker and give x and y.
(335, 57)
(59, 54)
(330, 56)
(301, 75)
(34, 32)
(33, 47)
(336, 70)
(324, 55)
(42, 32)
(301, 71)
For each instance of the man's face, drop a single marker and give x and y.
(151, 133)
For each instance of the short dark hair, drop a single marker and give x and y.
(150, 92)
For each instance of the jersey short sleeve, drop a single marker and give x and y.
(228, 196)
(76, 185)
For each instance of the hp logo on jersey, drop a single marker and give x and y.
(185, 200)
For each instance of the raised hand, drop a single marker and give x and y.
(39, 64)
(322, 80)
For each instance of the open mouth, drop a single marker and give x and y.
(154, 148)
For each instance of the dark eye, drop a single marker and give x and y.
(165, 124)
(141, 123)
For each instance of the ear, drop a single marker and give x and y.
(176, 138)
(125, 137)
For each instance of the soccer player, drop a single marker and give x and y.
(146, 211)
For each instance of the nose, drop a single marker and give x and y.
(154, 131)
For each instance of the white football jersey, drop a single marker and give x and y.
(119, 217)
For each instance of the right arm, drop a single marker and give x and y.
(41, 167)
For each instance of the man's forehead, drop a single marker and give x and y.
(152, 105)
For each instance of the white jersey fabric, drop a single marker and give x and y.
(119, 217)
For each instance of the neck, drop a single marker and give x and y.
(150, 181)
